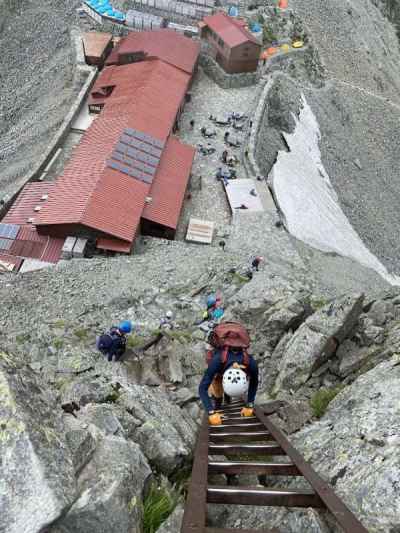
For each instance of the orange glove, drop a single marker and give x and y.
(215, 419)
(247, 411)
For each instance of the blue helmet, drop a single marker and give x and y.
(125, 326)
(211, 300)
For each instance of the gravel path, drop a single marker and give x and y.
(37, 81)
(210, 202)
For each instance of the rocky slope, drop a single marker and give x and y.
(93, 436)
(38, 82)
(357, 108)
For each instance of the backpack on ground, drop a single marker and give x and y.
(226, 336)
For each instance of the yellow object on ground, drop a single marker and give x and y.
(247, 411)
(215, 419)
(298, 44)
(285, 48)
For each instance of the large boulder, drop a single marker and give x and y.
(111, 488)
(317, 340)
(37, 482)
(166, 434)
(270, 306)
(356, 446)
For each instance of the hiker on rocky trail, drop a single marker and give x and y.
(113, 343)
(166, 321)
(256, 263)
(231, 371)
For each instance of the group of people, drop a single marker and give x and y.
(231, 371)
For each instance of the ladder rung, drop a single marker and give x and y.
(239, 419)
(269, 448)
(250, 426)
(263, 496)
(239, 436)
(253, 467)
(219, 530)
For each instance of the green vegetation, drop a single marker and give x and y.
(58, 343)
(322, 398)
(157, 506)
(133, 341)
(238, 277)
(59, 323)
(20, 339)
(182, 336)
(268, 35)
(81, 333)
(317, 303)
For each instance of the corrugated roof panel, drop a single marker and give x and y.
(27, 200)
(229, 30)
(169, 185)
(167, 45)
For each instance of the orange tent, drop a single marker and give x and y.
(283, 4)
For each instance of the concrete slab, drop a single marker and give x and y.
(238, 193)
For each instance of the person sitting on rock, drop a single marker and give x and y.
(234, 377)
(113, 343)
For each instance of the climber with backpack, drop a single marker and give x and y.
(113, 343)
(231, 370)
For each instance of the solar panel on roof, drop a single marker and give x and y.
(130, 131)
(118, 156)
(10, 231)
(121, 147)
(5, 244)
(159, 144)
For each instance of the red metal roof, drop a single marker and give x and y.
(167, 45)
(24, 206)
(229, 30)
(146, 97)
(169, 186)
(29, 244)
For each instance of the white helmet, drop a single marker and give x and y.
(234, 382)
(168, 314)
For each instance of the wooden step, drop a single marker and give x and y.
(268, 448)
(253, 467)
(263, 496)
(239, 436)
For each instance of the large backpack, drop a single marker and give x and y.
(229, 335)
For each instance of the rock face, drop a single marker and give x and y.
(110, 491)
(166, 433)
(37, 480)
(355, 446)
(316, 341)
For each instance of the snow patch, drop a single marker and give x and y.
(308, 201)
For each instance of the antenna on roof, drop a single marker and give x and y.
(148, 199)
